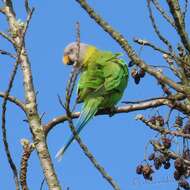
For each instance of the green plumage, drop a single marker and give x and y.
(102, 82)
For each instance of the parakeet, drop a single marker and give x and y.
(103, 79)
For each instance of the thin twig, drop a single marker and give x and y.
(3, 52)
(163, 13)
(6, 145)
(27, 6)
(147, 43)
(185, 10)
(14, 100)
(160, 36)
(42, 183)
(7, 37)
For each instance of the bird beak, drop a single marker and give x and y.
(66, 60)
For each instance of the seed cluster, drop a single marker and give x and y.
(136, 74)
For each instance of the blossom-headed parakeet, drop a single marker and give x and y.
(103, 79)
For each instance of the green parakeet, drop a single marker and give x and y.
(103, 79)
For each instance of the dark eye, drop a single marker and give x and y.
(71, 50)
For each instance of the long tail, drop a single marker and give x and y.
(88, 111)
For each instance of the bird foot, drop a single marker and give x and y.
(112, 110)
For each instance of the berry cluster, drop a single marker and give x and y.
(182, 171)
(159, 160)
(145, 170)
(136, 74)
(157, 120)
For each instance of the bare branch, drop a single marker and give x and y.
(7, 37)
(149, 44)
(179, 22)
(160, 36)
(27, 6)
(163, 13)
(140, 105)
(14, 100)
(6, 145)
(3, 52)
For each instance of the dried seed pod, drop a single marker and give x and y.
(137, 79)
(186, 128)
(147, 170)
(157, 163)
(186, 154)
(160, 119)
(134, 72)
(167, 165)
(184, 184)
(166, 142)
(179, 164)
(178, 122)
(139, 169)
(153, 120)
(142, 73)
(177, 175)
(147, 177)
(130, 64)
(151, 156)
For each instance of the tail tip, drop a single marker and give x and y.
(59, 154)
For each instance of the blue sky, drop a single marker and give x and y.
(118, 142)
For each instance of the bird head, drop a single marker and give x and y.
(71, 51)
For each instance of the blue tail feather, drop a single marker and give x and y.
(89, 109)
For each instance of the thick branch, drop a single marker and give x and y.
(18, 32)
(124, 109)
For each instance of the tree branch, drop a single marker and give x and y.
(18, 30)
(179, 22)
(162, 130)
(14, 100)
(124, 109)
(129, 50)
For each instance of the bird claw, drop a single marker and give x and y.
(112, 111)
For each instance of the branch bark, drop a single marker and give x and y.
(17, 31)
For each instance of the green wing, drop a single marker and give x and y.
(105, 74)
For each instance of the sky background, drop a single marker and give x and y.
(119, 142)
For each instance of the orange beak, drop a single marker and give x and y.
(66, 59)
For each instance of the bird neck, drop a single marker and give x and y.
(88, 54)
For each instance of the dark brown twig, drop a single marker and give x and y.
(6, 145)
(27, 150)
(3, 52)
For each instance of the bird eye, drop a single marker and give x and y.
(71, 50)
